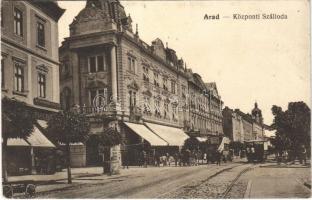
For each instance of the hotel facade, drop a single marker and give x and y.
(143, 91)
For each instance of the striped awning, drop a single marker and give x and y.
(37, 139)
(17, 142)
(146, 134)
(174, 136)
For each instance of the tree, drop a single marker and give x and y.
(191, 143)
(68, 127)
(108, 138)
(292, 126)
(299, 116)
(17, 122)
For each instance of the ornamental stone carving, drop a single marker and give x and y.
(91, 14)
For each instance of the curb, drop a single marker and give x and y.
(248, 190)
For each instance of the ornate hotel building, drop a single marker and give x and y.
(120, 81)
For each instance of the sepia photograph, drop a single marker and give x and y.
(155, 99)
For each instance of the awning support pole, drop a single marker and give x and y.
(32, 155)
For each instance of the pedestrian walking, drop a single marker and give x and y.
(196, 157)
(180, 158)
(248, 154)
(167, 161)
(304, 155)
(176, 157)
(125, 159)
(253, 153)
(157, 159)
(205, 158)
(218, 157)
(144, 154)
(187, 157)
(141, 159)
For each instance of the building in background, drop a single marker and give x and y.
(215, 108)
(241, 127)
(257, 125)
(233, 124)
(30, 66)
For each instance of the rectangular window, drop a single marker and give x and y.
(65, 69)
(165, 84)
(131, 64)
(19, 77)
(173, 90)
(92, 65)
(183, 89)
(102, 97)
(40, 34)
(92, 96)
(100, 63)
(42, 85)
(156, 79)
(2, 73)
(97, 64)
(132, 100)
(18, 22)
(145, 74)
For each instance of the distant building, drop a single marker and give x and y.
(30, 68)
(205, 108)
(215, 107)
(241, 127)
(257, 125)
(234, 124)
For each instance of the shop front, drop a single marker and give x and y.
(33, 155)
(149, 143)
(142, 145)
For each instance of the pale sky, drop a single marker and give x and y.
(255, 60)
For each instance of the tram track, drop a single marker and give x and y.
(211, 187)
(185, 185)
(233, 182)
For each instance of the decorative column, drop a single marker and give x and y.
(114, 73)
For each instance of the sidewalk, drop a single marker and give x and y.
(279, 181)
(58, 181)
(76, 172)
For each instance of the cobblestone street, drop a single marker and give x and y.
(141, 183)
(230, 180)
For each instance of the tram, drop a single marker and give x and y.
(256, 150)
